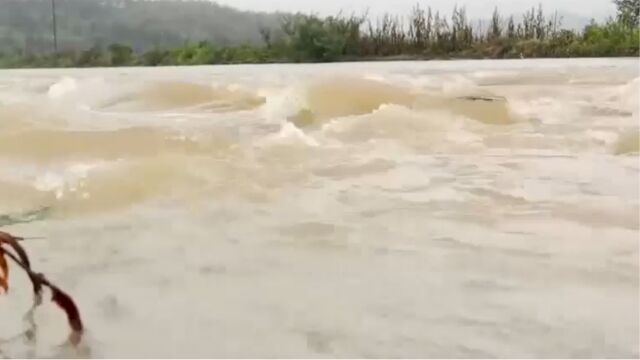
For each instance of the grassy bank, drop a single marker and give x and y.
(423, 34)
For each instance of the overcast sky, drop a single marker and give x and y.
(476, 8)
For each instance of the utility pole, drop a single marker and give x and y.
(55, 26)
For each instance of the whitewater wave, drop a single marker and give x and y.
(333, 98)
(62, 88)
(629, 96)
(84, 188)
(199, 138)
(98, 94)
(432, 130)
(167, 95)
(85, 93)
(123, 184)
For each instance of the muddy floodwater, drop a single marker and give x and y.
(406, 209)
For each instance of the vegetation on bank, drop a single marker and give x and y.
(424, 34)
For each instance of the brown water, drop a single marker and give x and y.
(414, 209)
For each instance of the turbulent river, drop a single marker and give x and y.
(409, 209)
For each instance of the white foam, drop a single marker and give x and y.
(493, 75)
(375, 77)
(282, 103)
(86, 93)
(289, 134)
(68, 179)
(629, 96)
(62, 88)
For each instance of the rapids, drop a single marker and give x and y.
(407, 209)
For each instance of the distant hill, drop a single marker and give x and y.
(25, 25)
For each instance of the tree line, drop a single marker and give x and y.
(423, 34)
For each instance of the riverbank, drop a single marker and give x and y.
(311, 39)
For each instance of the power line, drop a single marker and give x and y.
(55, 26)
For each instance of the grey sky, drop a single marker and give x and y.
(476, 8)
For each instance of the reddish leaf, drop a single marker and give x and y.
(22, 256)
(13, 242)
(4, 272)
(65, 302)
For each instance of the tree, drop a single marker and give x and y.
(540, 24)
(628, 12)
(266, 35)
(511, 28)
(496, 25)
(418, 28)
(120, 54)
